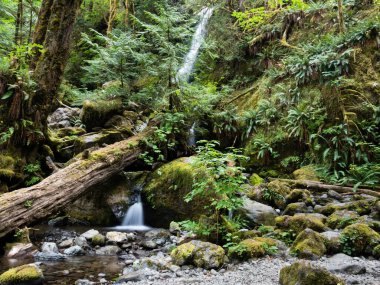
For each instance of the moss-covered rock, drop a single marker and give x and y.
(306, 173)
(362, 207)
(97, 113)
(167, 187)
(255, 179)
(341, 219)
(98, 239)
(22, 275)
(359, 239)
(299, 195)
(258, 213)
(302, 273)
(277, 191)
(300, 222)
(294, 208)
(376, 252)
(199, 253)
(7, 167)
(309, 245)
(332, 241)
(253, 248)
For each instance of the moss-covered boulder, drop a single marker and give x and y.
(302, 273)
(362, 207)
(341, 219)
(255, 179)
(376, 252)
(359, 239)
(309, 245)
(167, 187)
(299, 195)
(306, 173)
(29, 274)
(7, 167)
(279, 190)
(199, 253)
(300, 222)
(294, 208)
(98, 239)
(253, 248)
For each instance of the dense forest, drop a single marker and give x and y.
(189, 141)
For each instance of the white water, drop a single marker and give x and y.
(134, 219)
(184, 72)
(192, 137)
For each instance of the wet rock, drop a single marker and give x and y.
(84, 282)
(108, 250)
(259, 213)
(23, 275)
(21, 250)
(303, 273)
(342, 263)
(42, 256)
(201, 254)
(66, 243)
(131, 276)
(74, 250)
(90, 234)
(49, 247)
(309, 245)
(81, 241)
(116, 237)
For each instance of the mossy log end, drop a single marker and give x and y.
(29, 205)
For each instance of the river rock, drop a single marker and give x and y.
(174, 228)
(21, 250)
(342, 263)
(84, 282)
(116, 237)
(49, 247)
(303, 273)
(90, 234)
(108, 250)
(309, 245)
(259, 213)
(66, 243)
(23, 275)
(332, 239)
(81, 241)
(42, 256)
(74, 250)
(131, 276)
(149, 244)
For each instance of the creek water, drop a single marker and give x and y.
(134, 219)
(184, 72)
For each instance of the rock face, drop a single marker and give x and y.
(302, 273)
(166, 188)
(309, 245)
(259, 213)
(22, 275)
(201, 254)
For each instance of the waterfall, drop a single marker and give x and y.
(134, 219)
(192, 137)
(184, 72)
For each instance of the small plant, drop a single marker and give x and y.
(28, 203)
(270, 249)
(32, 173)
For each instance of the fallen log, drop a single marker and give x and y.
(26, 206)
(315, 185)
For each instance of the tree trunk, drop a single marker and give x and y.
(29, 205)
(18, 27)
(112, 15)
(57, 24)
(342, 26)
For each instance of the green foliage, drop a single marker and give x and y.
(32, 171)
(28, 203)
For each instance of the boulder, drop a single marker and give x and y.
(278, 191)
(259, 214)
(358, 239)
(342, 218)
(21, 250)
(294, 208)
(23, 275)
(42, 256)
(299, 195)
(332, 241)
(108, 250)
(309, 245)
(81, 241)
(62, 117)
(116, 237)
(200, 254)
(49, 247)
(300, 222)
(90, 234)
(306, 173)
(303, 273)
(174, 228)
(252, 248)
(362, 207)
(342, 263)
(74, 250)
(66, 243)
(98, 239)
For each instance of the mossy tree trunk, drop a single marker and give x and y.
(342, 26)
(29, 205)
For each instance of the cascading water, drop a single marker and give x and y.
(134, 219)
(184, 72)
(192, 136)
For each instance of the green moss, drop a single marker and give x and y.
(302, 273)
(300, 222)
(376, 252)
(21, 275)
(341, 219)
(299, 195)
(309, 244)
(98, 239)
(294, 208)
(359, 239)
(253, 248)
(362, 207)
(255, 179)
(7, 166)
(96, 113)
(306, 173)
(183, 253)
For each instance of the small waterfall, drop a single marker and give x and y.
(134, 219)
(198, 37)
(192, 137)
